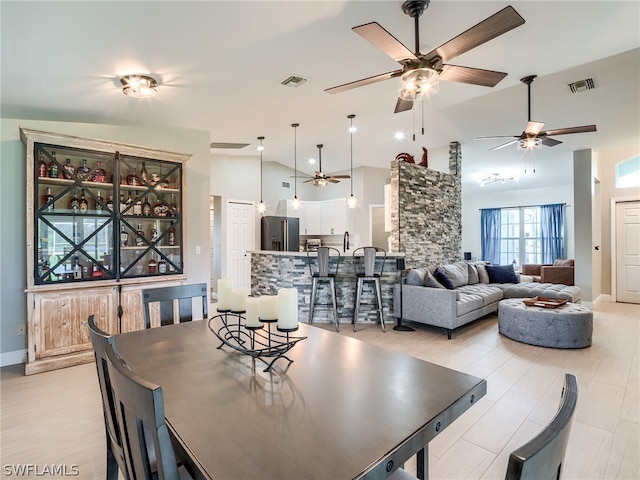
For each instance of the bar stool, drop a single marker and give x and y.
(365, 271)
(322, 274)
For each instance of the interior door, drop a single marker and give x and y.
(240, 239)
(628, 252)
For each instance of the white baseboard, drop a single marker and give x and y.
(13, 358)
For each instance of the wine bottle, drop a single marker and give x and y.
(137, 207)
(162, 266)
(129, 204)
(139, 235)
(77, 268)
(143, 172)
(110, 202)
(74, 203)
(84, 205)
(132, 178)
(53, 167)
(83, 170)
(172, 236)
(69, 169)
(43, 169)
(159, 207)
(47, 200)
(146, 207)
(124, 237)
(152, 266)
(99, 174)
(99, 202)
(122, 204)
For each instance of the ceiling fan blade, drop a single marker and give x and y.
(374, 33)
(504, 145)
(363, 82)
(332, 180)
(473, 76)
(533, 128)
(550, 142)
(339, 176)
(492, 27)
(566, 131)
(310, 180)
(493, 137)
(403, 105)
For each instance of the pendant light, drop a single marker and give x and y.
(261, 206)
(296, 201)
(351, 201)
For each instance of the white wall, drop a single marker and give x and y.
(13, 209)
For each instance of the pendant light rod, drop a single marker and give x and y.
(295, 160)
(351, 201)
(261, 205)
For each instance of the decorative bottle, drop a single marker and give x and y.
(83, 170)
(132, 178)
(124, 237)
(99, 174)
(43, 169)
(172, 236)
(139, 235)
(53, 166)
(69, 169)
(152, 266)
(110, 202)
(84, 205)
(137, 207)
(146, 207)
(48, 201)
(99, 202)
(74, 203)
(143, 172)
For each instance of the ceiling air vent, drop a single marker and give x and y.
(582, 85)
(293, 81)
(286, 184)
(230, 145)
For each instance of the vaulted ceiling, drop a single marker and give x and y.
(220, 66)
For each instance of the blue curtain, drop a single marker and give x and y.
(490, 219)
(552, 232)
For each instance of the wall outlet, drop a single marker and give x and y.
(198, 250)
(22, 328)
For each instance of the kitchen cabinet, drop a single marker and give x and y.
(100, 215)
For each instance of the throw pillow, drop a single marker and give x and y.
(501, 274)
(458, 273)
(483, 276)
(416, 276)
(443, 279)
(430, 281)
(473, 274)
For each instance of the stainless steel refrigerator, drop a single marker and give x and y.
(280, 233)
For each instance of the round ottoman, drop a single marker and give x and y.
(568, 326)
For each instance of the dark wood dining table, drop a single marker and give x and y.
(343, 409)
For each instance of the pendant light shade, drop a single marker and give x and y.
(261, 206)
(351, 201)
(296, 201)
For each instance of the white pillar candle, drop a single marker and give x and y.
(269, 307)
(239, 299)
(253, 312)
(224, 294)
(288, 308)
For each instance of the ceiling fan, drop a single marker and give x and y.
(420, 71)
(320, 179)
(533, 135)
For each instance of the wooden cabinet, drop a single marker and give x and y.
(91, 247)
(313, 218)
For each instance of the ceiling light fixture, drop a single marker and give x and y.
(493, 178)
(296, 201)
(261, 206)
(351, 201)
(417, 84)
(139, 86)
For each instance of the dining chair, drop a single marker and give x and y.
(115, 454)
(165, 296)
(322, 273)
(365, 271)
(542, 456)
(139, 405)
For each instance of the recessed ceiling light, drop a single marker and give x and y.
(139, 86)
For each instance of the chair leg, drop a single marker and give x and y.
(332, 285)
(379, 303)
(112, 464)
(357, 304)
(314, 286)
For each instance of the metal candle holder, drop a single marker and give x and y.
(253, 341)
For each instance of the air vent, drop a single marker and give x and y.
(294, 81)
(286, 184)
(582, 85)
(230, 145)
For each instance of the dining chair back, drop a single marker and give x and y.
(542, 456)
(115, 455)
(168, 296)
(365, 270)
(322, 273)
(139, 406)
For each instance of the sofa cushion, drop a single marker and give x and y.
(473, 274)
(483, 276)
(458, 273)
(489, 293)
(560, 262)
(430, 281)
(532, 289)
(501, 274)
(467, 302)
(442, 278)
(416, 276)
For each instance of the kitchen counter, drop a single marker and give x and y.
(271, 270)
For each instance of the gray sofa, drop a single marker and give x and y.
(472, 290)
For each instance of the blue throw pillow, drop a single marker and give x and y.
(501, 274)
(443, 279)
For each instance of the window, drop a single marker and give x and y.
(520, 240)
(628, 173)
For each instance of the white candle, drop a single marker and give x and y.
(288, 308)
(224, 294)
(239, 299)
(253, 312)
(269, 307)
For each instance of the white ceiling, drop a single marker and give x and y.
(220, 64)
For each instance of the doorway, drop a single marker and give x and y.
(240, 239)
(625, 265)
(215, 240)
(378, 237)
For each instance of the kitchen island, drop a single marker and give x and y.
(271, 270)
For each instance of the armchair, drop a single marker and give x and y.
(562, 271)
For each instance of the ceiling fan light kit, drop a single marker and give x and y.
(139, 86)
(420, 72)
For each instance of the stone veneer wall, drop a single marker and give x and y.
(426, 211)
